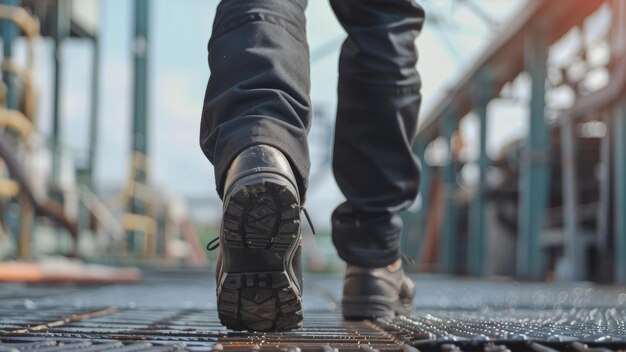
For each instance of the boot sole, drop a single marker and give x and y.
(258, 289)
(367, 307)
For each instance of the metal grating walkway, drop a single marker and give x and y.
(176, 311)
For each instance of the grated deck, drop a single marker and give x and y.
(176, 311)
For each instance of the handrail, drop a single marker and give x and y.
(615, 89)
(504, 58)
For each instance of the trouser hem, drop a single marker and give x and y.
(369, 258)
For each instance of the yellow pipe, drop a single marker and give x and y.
(8, 188)
(141, 223)
(16, 121)
(27, 23)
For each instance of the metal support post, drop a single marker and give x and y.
(571, 266)
(604, 260)
(620, 193)
(140, 108)
(425, 184)
(414, 223)
(477, 256)
(61, 31)
(408, 230)
(535, 160)
(9, 32)
(95, 102)
(613, 222)
(140, 79)
(449, 235)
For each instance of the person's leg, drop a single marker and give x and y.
(254, 127)
(376, 124)
(258, 91)
(373, 161)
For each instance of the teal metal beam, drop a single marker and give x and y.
(414, 222)
(139, 142)
(449, 233)
(620, 193)
(425, 191)
(574, 259)
(61, 31)
(95, 104)
(477, 256)
(140, 79)
(9, 32)
(535, 160)
(604, 246)
(408, 231)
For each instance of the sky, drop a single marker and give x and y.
(179, 31)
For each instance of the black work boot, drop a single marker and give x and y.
(370, 293)
(259, 278)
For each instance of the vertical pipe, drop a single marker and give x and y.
(408, 230)
(477, 256)
(140, 81)
(425, 191)
(572, 267)
(618, 124)
(61, 31)
(95, 104)
(414, 227)
(535, 160)
(604, 255)
(620, 193)
(9, 32)
(447, 243)
(140, 107)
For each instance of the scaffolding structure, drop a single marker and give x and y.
(139, 222)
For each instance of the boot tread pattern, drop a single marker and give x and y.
(261, 224)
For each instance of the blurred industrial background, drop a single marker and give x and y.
(522, 143)
(521, 137)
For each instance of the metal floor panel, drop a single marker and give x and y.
(170, 312)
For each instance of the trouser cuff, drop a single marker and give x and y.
(366, 240)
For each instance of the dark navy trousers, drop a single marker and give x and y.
(258, 93)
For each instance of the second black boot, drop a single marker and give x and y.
(370, 293)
